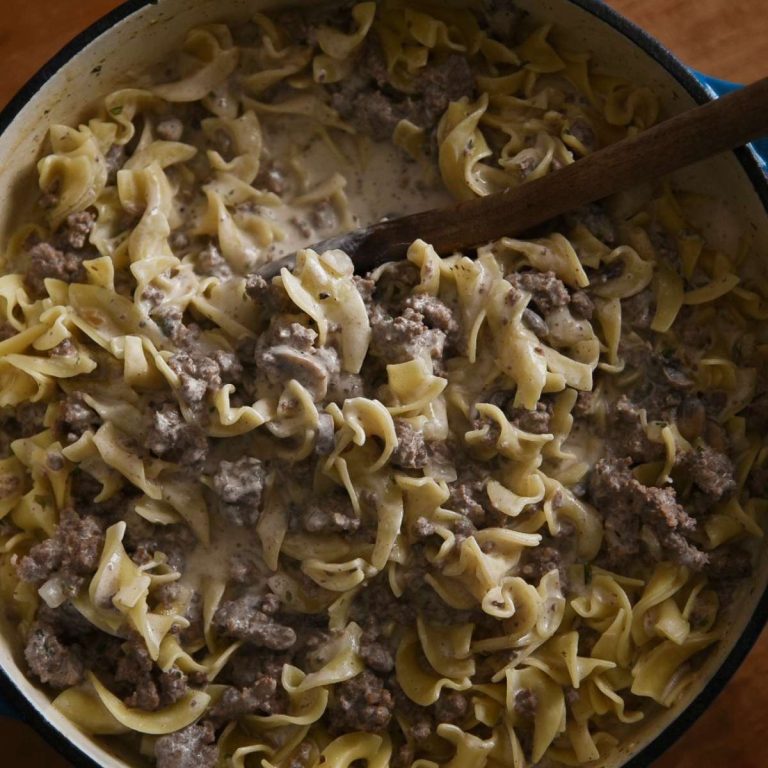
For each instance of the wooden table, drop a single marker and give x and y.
(725, 38)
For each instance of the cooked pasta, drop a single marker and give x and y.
(467, 510)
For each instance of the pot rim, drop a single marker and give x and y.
(759, 179)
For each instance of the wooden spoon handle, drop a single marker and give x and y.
(693, 135)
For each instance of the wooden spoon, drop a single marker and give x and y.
(691, 136)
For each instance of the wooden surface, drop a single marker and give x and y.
(725, 38)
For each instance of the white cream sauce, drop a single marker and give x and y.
(381, 181)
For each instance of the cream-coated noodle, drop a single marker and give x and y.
(468, 510)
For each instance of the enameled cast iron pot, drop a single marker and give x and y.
(143, 31)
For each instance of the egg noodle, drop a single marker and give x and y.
(492, 501)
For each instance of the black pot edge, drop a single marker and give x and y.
(700, 94)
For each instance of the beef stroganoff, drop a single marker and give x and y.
(468, 510)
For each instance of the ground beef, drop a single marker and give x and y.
(69, 625)
(72, 552)
(637, 311)
(193, 747)
(584, 405)
(692, 330)
(323, 216)
(468, 498)
(375, 604)
(404, 756)
(710, 470)
(194, 634)
(606, 272)
(85, 488)
(147, 687)
(64, 348)
(421, 724)
(76, 230)
(29, 418)
(343, 386)
(539, 561)
(547, 291)
(7, 331)
(240, 486)
(411, 451)
(51, 198)
(728, 564)
(490, 429)
(664, 382)
(666, 246)
(249, 618)
(272, 178)
(178, 241)
(10, 485)
(142, 540)
(394, 285)
(537, 422)
(627, 435)
(265, 697)
(370, 101)
(302, 756)
(440, 84)
(23, 420)
(211, 262)
(115, 159)
(436, 313)
(153, 296)
(170, 321)
(270, 296)
(50, 661)
(75, 418)
(287, 352)
(682, 551)
(331, 513)
(365, 287)
(627, 504)
(250, 664)
(361, 704)
(201, 372)
(173, 686)
(582, 307)
(294, 335)
(170, 129)
(525, 704)
(172, 438)
(375, 651)
(243, 569)
(47, 261)
(451, 707)
(423, 528)
(403, 338)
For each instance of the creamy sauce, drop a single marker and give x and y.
(213, 563)
(381, 182)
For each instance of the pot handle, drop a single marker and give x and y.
(721, 88)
